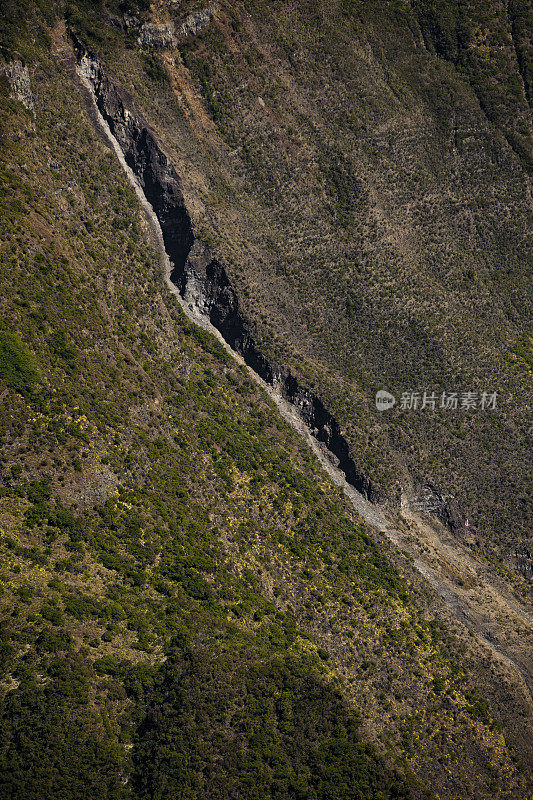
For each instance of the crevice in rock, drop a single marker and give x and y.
(200, 277)
(208, 298)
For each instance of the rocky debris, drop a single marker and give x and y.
(429, 500)
(198, 22)
(167, 35)
(155, 36)
(18, 76)
(126, 23)
(91, 488)
(204, 284)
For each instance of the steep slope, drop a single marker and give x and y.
(195, 275)
(190, 606)
(363, 172)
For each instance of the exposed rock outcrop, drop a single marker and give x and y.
(430, 500)
(198, 22)
(200, 277)
(18, 76)
(153, 36)
(167, 35)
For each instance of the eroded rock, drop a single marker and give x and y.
(167, 35)
(18, 76)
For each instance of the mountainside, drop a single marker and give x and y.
(191, 604)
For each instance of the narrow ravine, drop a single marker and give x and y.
(201, 285)
(199, 276)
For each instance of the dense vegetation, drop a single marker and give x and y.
(252, 729)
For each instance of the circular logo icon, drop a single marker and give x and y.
(384, 400)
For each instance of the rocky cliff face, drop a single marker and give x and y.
(18, 76)
(199, 275)
(158, 36)
(365, 175)
(155, 173)
(378, 247)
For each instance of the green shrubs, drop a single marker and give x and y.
(18, 366)
(53, 745)
(226, 724)
(52, 614)
(154, 68)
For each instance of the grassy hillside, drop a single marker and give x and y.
(189, 607)
(364, 171)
